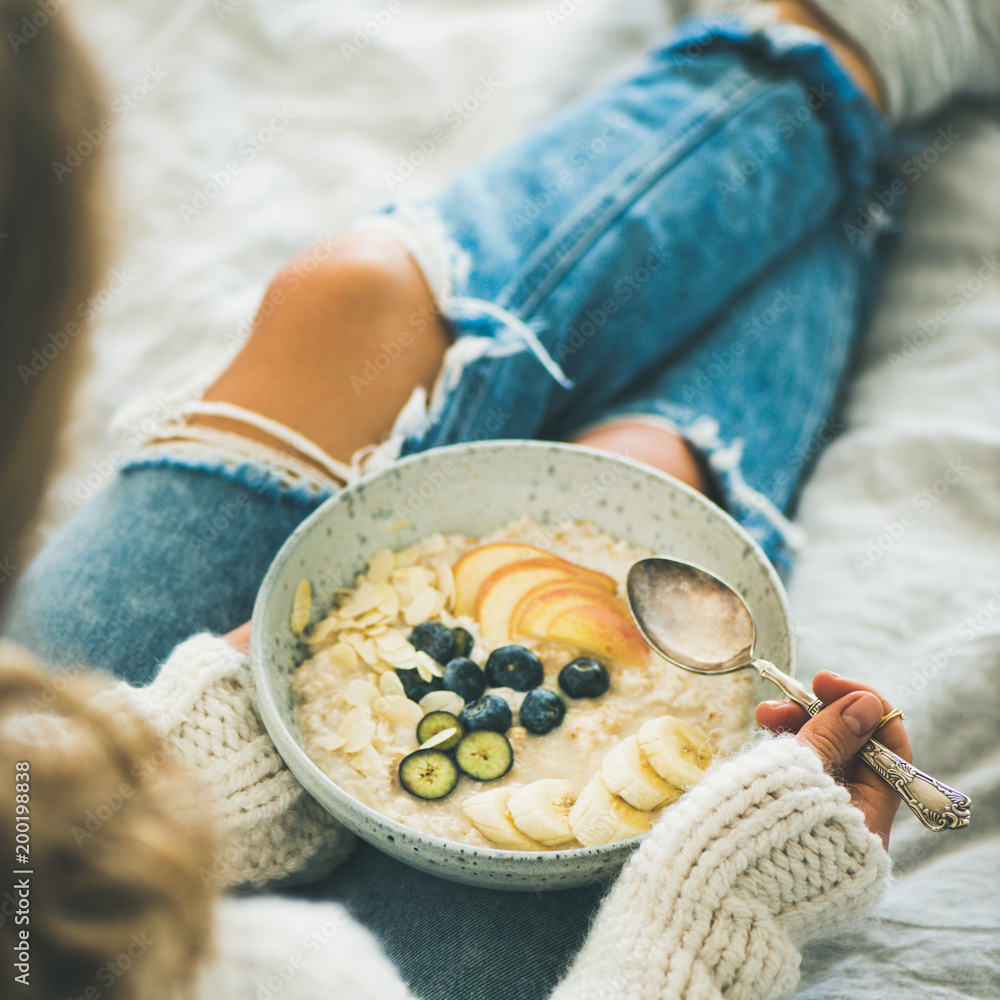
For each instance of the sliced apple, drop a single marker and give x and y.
(540, 605)
(601, 630)
(472, 569)
(501, 591)
(592, 576)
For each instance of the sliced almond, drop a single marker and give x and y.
(437, 738)
(367, 760)
(365, 598)
(301, 606)
(393, 640)
(368, 619)
(419, 578)
(445, 581)
(331, 742)
(426, 666)
(381, 566)
(397, 709)
(358, 736)
(359, 713)
(402, 659)
(423, 607)
(364, 646)
(387, 597)
(343, 656)
(362, 692)
(433, 544)
(390, 684)
(407, 556)
(323, 630)
(442, 701)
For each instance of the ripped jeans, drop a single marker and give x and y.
(682, 248)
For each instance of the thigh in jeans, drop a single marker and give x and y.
(595, 250)
(160, 554)
(755, 396)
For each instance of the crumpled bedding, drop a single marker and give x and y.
(244, 130)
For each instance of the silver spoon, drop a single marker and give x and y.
(697, 622)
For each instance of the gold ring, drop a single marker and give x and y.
(896, 713)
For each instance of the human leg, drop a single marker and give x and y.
(755, 398)
(326, 319)
(630, 200)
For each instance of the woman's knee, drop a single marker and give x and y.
(655, 446)
(361, 270)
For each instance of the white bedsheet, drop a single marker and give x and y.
(900, 581)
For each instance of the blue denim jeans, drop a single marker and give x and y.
(675, 248)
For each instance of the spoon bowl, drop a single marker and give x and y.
(696, 621)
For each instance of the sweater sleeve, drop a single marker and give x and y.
(762, 855)
(926, 51)
(275, 947)
(201, 704)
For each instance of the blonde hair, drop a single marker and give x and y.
(116, 902)
(50, 253)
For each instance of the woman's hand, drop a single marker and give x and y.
(239, 639)
(852, 712)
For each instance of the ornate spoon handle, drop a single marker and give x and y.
(934, 803)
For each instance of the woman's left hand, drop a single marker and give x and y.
(239, 638)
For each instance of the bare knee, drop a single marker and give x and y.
(655, 446)
(360, 271)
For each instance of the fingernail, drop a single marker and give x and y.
(862, 715)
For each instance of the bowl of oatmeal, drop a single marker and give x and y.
(443, 657)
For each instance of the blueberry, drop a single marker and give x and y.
(463, 641)
(514, 667)
(465, 678)
(541, 711)
(584, 678)
(434, 639)
(490, 712)
(416, 687)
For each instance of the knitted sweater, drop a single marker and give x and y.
(763, 854)
(926, 51)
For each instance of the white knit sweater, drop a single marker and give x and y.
(926, 51)
(763, 854)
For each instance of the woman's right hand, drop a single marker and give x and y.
(838, 732)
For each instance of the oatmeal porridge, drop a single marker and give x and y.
(496, 692)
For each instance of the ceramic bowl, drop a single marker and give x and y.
(476, 489)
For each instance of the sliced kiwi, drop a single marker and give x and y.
(428, 774)
(484, 755)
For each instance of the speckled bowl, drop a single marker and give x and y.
(476, 489)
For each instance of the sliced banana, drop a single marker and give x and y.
(541, 811)
(626, 773)
(487, 812)
(598, 817)
(677, 751)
